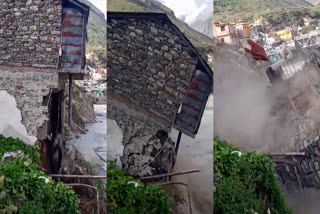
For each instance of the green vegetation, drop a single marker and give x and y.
(292, 16)
(277, 12)
(26, 190)
(97, 34)
(127, 195)
(306, 29)
(245, 183)
(155, 6)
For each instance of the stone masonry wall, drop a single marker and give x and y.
(148, 64)
(305, 170)
(29, 86)
(30, 32)
(140, 141)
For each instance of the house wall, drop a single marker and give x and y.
(137, 144)
(301, 170)
(285, 34)
(228, 34)
(10, 119)
(219, 33)
(243, 30)
(148, 64)
(30, 32)
(28, 86)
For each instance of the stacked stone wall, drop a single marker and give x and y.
(301, 171)
(29, 86)
(30, 32)
(149, 64)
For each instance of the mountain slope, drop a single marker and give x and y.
(206, 27)
(96, 27)
(96, 33)
(314, 2)
(154, 6)
(204, 22)
(225, 10)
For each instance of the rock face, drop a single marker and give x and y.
(30, 32)
(149, 64)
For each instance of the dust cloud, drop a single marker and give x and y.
(245, 104)
(253, 115)
(304, 202)
(196, 154)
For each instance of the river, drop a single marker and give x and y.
(95, 139)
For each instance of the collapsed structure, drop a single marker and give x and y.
(156, 80)
(42, 45)
(293, 114)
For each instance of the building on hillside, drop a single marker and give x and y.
(157, 81)
(286, 34)
(255, 29)
(225, 33)
(242, 29)
(310, 21)
(42, 46)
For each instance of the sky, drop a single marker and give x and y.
(188, 10)
(101, 5)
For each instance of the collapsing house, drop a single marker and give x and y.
(42, 46)
(156, 81)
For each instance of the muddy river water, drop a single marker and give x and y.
(94, 141)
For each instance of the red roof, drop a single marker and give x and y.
(257, 52)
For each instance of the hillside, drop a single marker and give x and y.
(314, 2)
(204, 22)
(226, 10)
(153, 6)
(96, 32)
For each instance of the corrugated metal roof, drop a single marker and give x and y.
(73, 35)
(189, 117)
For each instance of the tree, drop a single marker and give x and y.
(306, 29)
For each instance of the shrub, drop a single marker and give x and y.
(245, 184)
(126, 195)
(26, 190)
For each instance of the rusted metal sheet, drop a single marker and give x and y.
(73, 35)
(189, 117)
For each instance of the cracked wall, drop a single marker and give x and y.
(29, 86)
(10, 119)
(146, 150)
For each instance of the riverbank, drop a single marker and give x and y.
(92, 143)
